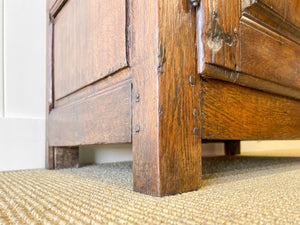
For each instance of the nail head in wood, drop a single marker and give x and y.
(192, 80)
(195, 113)
(196, 131)
(137, 128)
(137, 97)
(195, 3)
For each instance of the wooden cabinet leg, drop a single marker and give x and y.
(162, 171)
(62, 158)
(50, 158)
(167, 113)
(232, 147)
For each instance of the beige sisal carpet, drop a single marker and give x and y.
(238, 190)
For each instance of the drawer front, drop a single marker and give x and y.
(251, 43)
(89, 43)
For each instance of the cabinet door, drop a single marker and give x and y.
(251, 43)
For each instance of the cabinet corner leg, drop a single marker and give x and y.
(232, 147)
(62, 157)
(173, 171)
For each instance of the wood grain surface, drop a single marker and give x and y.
(269, 18)
(232, 112)
(126, 72)
(248, 80)
(89, 43)
(166, 153)
(218, 34)
(103, 117)
(179, 99)
(66, 158)
(259, 39)
(288, 9)
(268, 55)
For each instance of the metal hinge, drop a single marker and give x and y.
(195, 3)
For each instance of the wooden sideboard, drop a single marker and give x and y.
(167, 76)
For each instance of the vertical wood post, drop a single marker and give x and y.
(167, 117)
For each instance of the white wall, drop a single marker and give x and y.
(22, 84)
(1, 62)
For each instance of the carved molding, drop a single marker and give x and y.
(266, 18)
(248, 80)
(55, 9)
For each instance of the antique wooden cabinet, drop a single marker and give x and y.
(167, 75)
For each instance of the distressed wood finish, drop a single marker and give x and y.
(248, 80)
(272, 57)
(49, 158)
(89, 43)
(218, 34)
(179, 99)
(166, 153)
(134, 79)
(232, 112)
(255, 41)
(66, 158)
(288, 9)
(268, 17)
(103, 117)
(232, 147)
(62, 158)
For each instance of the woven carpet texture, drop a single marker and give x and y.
(235, 190)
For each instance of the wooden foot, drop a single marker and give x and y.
(232, 148)
(62, 158)
(50, 158)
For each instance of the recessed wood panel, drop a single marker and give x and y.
(103, 117)
(288, 9)
(270, 56)
(269, 39)
(89, 43)
(232, 112)
(270, 19)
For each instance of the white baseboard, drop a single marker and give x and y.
(22, 143)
